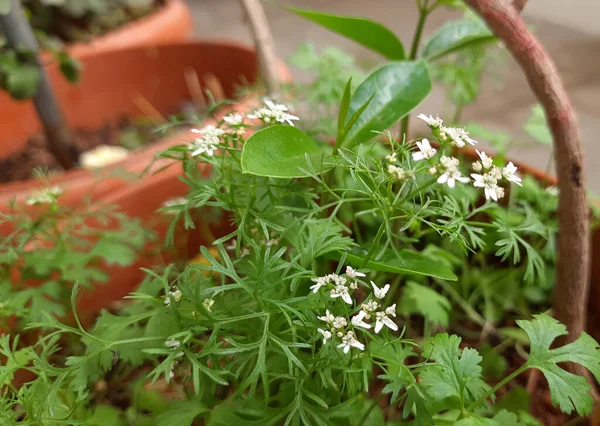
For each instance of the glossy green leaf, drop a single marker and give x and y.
(456, 35)
(344, 105)
(372, 35)
(396, 89)
(283, 152)
(408, 262)
(182, 413)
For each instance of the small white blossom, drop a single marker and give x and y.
(341, 290)
(477, 166)
(326, 334)
(357, 320)
(172, 343)
(391, 310)
(349, 341)
(431, 122)
(458, 136)
(328, 317)
(383, 319)
(102, 155)
(449, 172)
(353, 273)
(174, 296)
(552, 190)
(208, 142)
(432, 170)
(509, 174)
(486, 161)
(353, 285)
(339, 322)
(233, 119)
(44, 196)
(370, 306)
(380, 292)
(208, 304)
(489, 183)
(273, 112)
(426, 151)
(397, 172)
(392, 158)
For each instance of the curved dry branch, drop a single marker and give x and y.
(264, 43)
(572, 280)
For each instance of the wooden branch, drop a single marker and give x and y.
(572, 269)
(519, 5)
(265, 45)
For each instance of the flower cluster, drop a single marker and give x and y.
(103, 155)
(44, 196)
(489, 175)
(208, 142)
(236, 123)
(172, 296)
(272, 113)
(346, 328)
(455, 135)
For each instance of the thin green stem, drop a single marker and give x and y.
(363, 419)
(414, 49)
(502, 383)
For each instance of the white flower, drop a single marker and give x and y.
(172, 343)
(233, 119)
(44, 196)
(450, 173)
(391, 310)
(397, 172)
(477, 166)
(380, 292)
(208, 142)
(328, 317)
(489, 184)
(320, 282)
(426, 151)
(208, 304)
(552, 190)
(458, 136)
(357, 320)
(174, 296)
(432, 170)
(101, 156)
(370, 306)
(339, 322)
(486, 161)
(273, 112)
(326, 334)
(391, 158)
(353, 285)
(509, 174)
(383, 319)
(349, 341)
(341, 290)
(431, 122)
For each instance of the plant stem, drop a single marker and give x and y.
(363, 419)
(414, 49)
(500, 384)
(19, 35)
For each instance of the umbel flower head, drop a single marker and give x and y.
(44, 196)
(272, 113)
(208, 141)
(102, 155)
(489, 175)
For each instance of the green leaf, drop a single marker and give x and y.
(396, 89)
(537, 126)
(456, 373)
(106, 415)
(283, 152)
(372, 35)
(427, 302)
(344, 105)
(568, 391)
(409, 262)
(22, 82)
(70, 67)
(182, 413)
(114, 252)
(456, 35)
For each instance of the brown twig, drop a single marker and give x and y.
(572, 269)
(519, 5)
(265, 45)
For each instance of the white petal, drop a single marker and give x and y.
(346, 297)
(391, 324)
(378, 326)
(358, 345)
(418, 156)
(451, 182)
(442, 179)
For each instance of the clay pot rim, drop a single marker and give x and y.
(19, 190)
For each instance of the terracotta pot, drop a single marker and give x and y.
(171, 23)
(113, 85)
